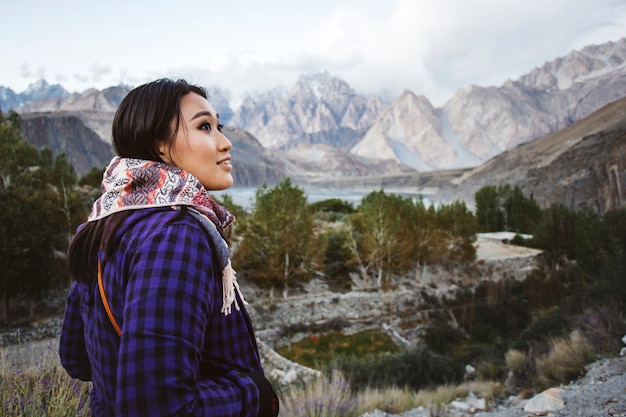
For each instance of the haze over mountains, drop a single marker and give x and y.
(321, 130)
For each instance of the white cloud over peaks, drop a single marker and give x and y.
(378, 46)
(26, 72)
(434, 48)
(98, 72)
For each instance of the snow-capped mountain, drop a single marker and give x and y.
(319, 109)
(478, 123)
(416, 134)
(39, 90)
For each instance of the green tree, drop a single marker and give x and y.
(93, 178)
(556, 232)
(489, 212)
(427, 240)
(279, 244)
(505, 208)
(593, 246)
(522, 213)
(32, 228)
(336, 260)
(61, 175)
(333, 205)
(615, 225)
(460, 226)
(379, 238)
(614, 270)
(240, 214)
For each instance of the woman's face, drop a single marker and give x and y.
(200, 148)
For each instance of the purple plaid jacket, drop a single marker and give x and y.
(178, 354)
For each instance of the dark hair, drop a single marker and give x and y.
(144, 118)
(148, 116)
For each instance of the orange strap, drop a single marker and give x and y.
(106, 303)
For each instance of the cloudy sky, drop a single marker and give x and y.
(431, 47)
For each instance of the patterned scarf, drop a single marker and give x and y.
(130, 184)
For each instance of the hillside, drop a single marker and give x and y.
(66, 133)
(580, 166)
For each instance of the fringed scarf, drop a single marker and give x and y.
(130, 184)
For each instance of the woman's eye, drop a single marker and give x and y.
(220, 127)
(206, 126)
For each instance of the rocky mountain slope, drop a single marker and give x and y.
(94, 108)
(252, 163)
(478, 123)
(580, 166)
(319, 109)
(66, 133)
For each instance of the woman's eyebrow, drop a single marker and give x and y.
(205, 113)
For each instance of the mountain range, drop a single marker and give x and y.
(321, 130)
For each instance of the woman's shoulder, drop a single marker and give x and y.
(143, 223)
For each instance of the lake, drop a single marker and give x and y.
(244, 196)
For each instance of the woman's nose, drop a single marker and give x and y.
(224, 143)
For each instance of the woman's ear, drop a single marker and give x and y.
(165, 158)
(163, 154)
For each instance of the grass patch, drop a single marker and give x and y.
(41, 388)
(331, 396)
(397, 400)
(326, 396)
(565, 362)
(319, 351)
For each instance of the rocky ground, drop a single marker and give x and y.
(600, 393)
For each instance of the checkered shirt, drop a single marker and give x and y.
(178, 354)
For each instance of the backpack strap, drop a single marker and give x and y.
(106, 302)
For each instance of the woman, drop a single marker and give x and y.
(154, 317)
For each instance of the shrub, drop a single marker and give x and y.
(333, 205)
(490, 371)
(441, 337)
(392, 400)
(551, 322)
(603, 327)
(515, 360)
(414, 369)
(565, 362)
(327, 396)
(522, 369)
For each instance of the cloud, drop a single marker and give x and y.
(430, 48)
(378, 46)
(98, 71)
(434, 48)
(81, 78)
(25, 72)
